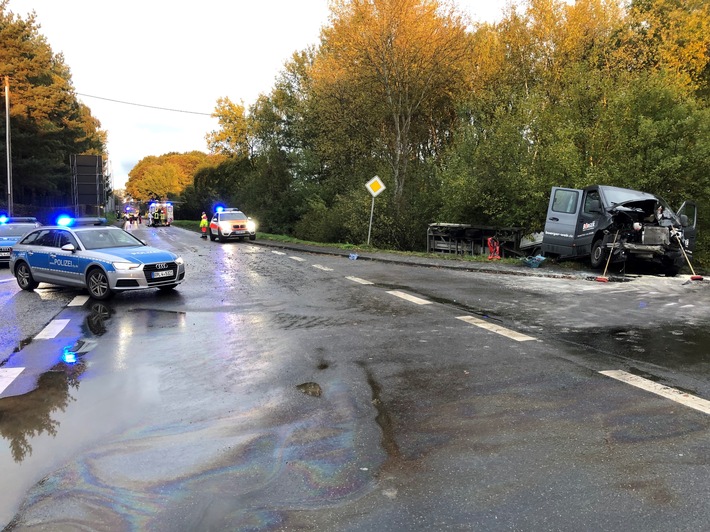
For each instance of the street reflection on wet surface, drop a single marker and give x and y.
(674, 346)
(166, 449)
(25, 417)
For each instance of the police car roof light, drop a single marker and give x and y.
(219, 208)
(90, 221)
(65, 220)
(18, 219)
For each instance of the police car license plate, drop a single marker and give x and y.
(165, 273)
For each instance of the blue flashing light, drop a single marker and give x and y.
(68, 356)
(3, 219)
(169, 204)
(64, 220)
(219, 208)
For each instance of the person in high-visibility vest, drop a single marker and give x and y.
(203, 225)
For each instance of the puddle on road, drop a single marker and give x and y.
(28, 416)
(383, 418)
(675, 347)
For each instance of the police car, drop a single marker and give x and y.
(86, 253)
(11, 230)
(231, 223)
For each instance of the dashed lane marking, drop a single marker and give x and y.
(7, 375)
(683, 398)
(277, 252)
(7, 280)
(324, 268)
(410, 298)
(52, 329)
(513, 335)
(299, 259)
(78, 301)
(358, 280)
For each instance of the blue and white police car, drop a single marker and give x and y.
(86, 253)
(11, 230)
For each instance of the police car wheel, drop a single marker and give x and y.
(24, 277)
(212, 237)
(220, 235)
(252, 237)
(97, 284)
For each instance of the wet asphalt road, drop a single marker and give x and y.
(275, 391)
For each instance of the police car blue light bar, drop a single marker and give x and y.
(65, 220)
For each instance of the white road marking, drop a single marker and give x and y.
(277, 252)
(78, 301)
(52, 329)
(358, 280)
(683, 398)
(324, 268)
(410, 298)
(7, 375)
(483, 324)
(299, 259)
(7, 280)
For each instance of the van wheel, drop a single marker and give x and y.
(598, 256)
(671, 271)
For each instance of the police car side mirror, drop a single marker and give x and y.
(69, 247)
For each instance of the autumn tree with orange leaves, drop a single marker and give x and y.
(407, 59)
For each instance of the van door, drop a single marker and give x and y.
(561, 221)
(690, 210)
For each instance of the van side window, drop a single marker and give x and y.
(565, 201)
(592, 202)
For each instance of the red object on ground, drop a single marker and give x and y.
(494, 248)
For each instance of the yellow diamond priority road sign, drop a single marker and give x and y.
(375, 186)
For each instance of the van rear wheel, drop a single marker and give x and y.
(599, 254)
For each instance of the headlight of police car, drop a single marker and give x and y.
(123, 266)
(251, 226)
(179, 261)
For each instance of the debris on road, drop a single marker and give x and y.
(310, 388)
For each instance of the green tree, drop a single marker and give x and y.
(48, 123)
(234, 134)
(406, 59)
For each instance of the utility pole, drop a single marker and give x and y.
(7, 146)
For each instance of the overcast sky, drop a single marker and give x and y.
(179, 55)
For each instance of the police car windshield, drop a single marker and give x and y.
(15, 229)
(236, 215)
(106, 238)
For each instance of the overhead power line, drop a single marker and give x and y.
(144, 105)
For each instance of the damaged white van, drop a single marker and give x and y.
(598, 220)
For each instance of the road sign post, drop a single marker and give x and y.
(374, 186)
